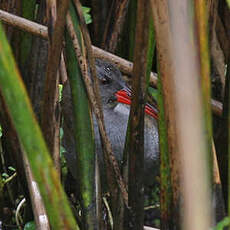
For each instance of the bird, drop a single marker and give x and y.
(114, 97)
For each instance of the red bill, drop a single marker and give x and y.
(124, 96)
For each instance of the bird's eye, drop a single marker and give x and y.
(112, 99)
(106, 80)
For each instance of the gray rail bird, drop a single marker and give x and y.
(116, 120)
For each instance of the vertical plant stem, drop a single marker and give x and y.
(228, 93)
(115, 24)
(132, 26)
(170, 191)
(201, 20)
(191, 126)
(119, 215)
(50, 120)
(136, 138)
(28, 9)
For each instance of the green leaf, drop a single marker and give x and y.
(85, 9)
(30, 226)
(12, 169)
(153, 92)
(87, 16)
(223, 223)
(83, 131)
(228, 1)
(30, 136)
(5, 175)
(60, 91)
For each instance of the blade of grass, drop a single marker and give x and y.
(83, 131)
(30, 137)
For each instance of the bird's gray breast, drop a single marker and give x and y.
(116, 121)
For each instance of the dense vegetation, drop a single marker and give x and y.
(174, 55)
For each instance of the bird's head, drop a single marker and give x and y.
(110, 79)
(113, 88)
